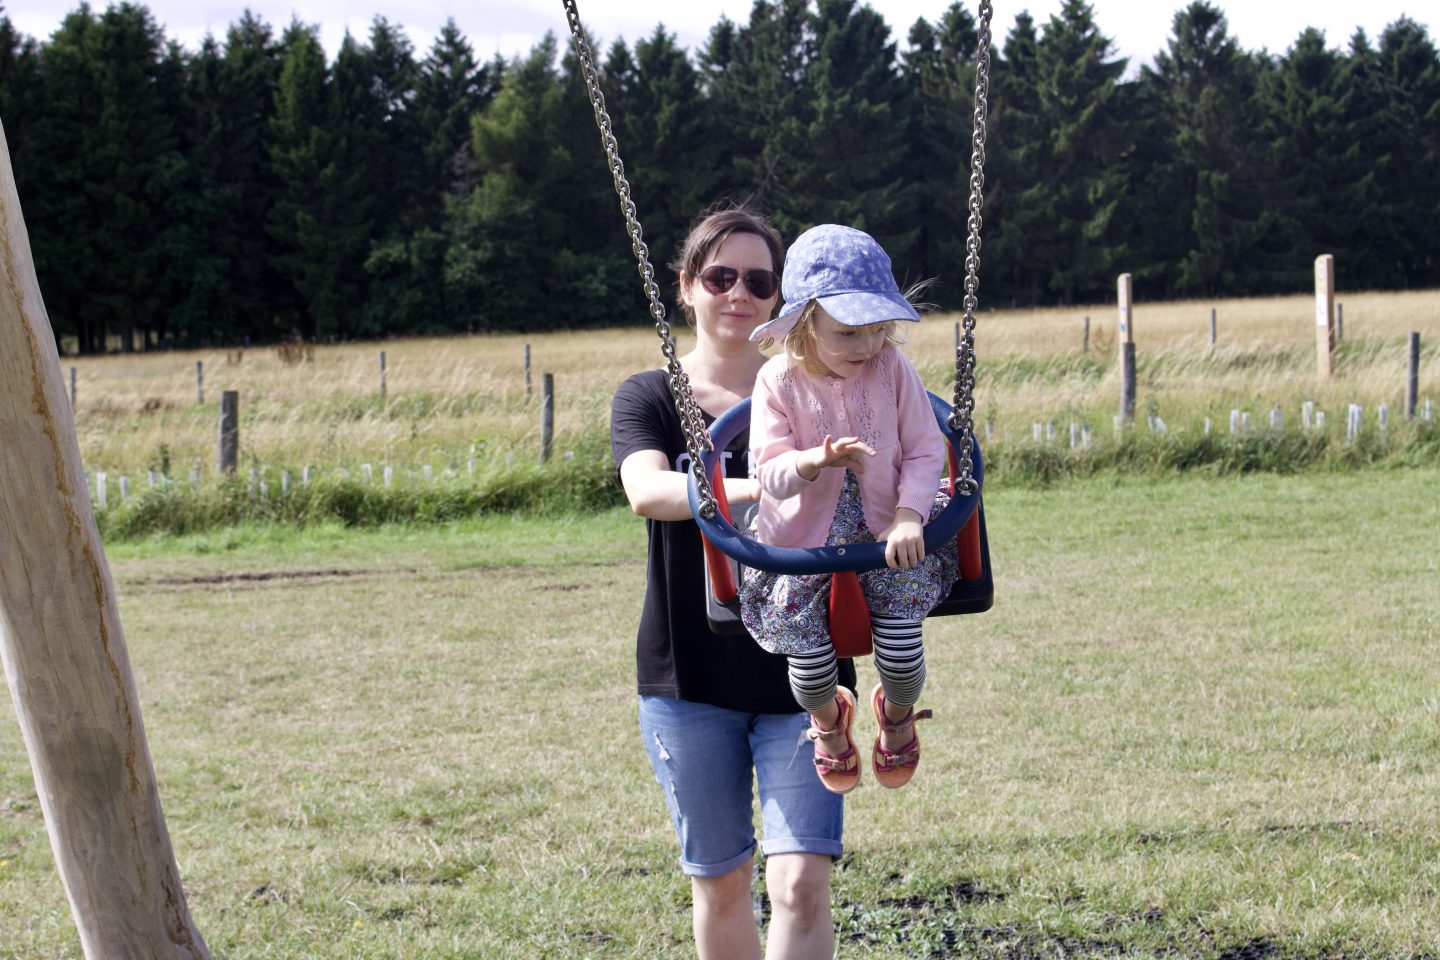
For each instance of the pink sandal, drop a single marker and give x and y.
(838, 774)
(894, 769)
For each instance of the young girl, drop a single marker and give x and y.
(848, 451)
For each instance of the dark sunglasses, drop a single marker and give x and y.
(762, 284)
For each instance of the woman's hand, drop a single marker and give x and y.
(847, 452)
(739, 490)
(905, 540)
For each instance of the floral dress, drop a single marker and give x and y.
(789, 613)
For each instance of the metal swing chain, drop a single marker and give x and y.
(692, 421)
(962, 412)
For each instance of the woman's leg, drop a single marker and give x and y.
(803, 824)
(801, 924)
(701, 756)
(724, 917)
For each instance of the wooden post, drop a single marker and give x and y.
(72, 388)
(527, 370)
(1124, 292)
(547, 415)
(1212, 326)
(64, 650)
(1412, 378)
(199, 382)
(229, 431)
(1085, 339)
(1325, 316)
(382, 374)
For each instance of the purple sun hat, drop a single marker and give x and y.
(847, 271)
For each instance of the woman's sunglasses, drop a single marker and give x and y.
(762, 284)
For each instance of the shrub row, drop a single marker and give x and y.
(580, 484)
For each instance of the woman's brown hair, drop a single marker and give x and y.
(710, 230)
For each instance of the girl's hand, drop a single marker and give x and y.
(905, 540)
(846, 452)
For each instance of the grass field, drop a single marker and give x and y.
(453, 400)
(1202, 720)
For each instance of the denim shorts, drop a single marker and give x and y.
(703, 757)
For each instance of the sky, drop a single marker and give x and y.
(1139, 28)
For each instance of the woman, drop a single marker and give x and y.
(712, 708)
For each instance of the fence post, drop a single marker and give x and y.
(1212, 327)
(199, 382)
(528, 390)
(1412, 378)
(382, 374)
(1085, 339)
(1325, 315)
(547, 415)
(1124, 293)
(72, 390)
(229, 430)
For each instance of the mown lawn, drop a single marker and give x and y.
(1203, 719)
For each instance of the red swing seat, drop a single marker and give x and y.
(973, 592)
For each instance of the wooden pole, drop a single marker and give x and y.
(382, 374)
(1325, 316)
(1124, 290)
(72, 390)
(229, 431)
(1085, 339)
(547, 415)
(1212, 326)
(527, 370)
(199, 382)
(64, 649)
(1412, 378)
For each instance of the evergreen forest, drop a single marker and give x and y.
(255, 189)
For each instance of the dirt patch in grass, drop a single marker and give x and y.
(262, 578)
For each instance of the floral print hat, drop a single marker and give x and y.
(844, 269)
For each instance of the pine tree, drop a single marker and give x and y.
(62, 211)
(1204, 89)
(1409, 71)
(1015, 204)
(246, 100)
(452, 87)
(1307, 135)
(673, 153)
(849, 158)
(1372, 223)
(301, 146)
(20, 107)
(755, 78)
(939, 70)
(193, 295)
(1081, 182)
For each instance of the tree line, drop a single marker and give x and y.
(252, 189)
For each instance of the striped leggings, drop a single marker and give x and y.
(899, 659)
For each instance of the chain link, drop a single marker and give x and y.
(962, 412)
(692, 421)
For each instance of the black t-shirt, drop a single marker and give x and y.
(677, 655)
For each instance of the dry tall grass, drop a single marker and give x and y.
(453, 399)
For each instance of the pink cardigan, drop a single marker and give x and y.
(884, 405)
